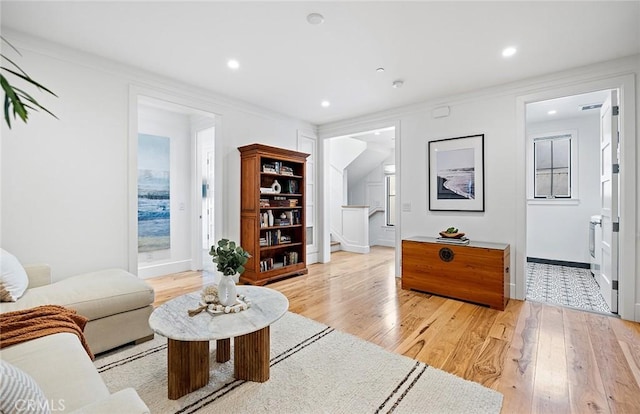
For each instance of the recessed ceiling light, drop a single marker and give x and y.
(315, 18)
(233, 64)
(376, 133)
(397, 84)
(509, 51)
(325, 104)
(552, 112)
(380, 70)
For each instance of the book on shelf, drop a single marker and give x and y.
(285, 170)
(292, 186)
(269, 168)
(449, 240)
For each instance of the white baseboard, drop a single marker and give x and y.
(637, 313)
(312, 258)
(155, 270)
(383, 242)
(355, 249)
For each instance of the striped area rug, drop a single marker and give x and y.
(314, 369)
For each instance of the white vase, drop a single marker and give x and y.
(276, 186)
(227, 291)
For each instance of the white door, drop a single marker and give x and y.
(205, 172)
(608, 277)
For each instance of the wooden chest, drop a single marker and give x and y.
(477, 272)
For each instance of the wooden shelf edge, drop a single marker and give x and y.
(275, 274)
(279, 246)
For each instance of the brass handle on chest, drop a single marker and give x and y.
(446, 254)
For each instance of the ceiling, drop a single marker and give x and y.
(566, 107)
(289, 66)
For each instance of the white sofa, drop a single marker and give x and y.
(68, 379)
(117, 303)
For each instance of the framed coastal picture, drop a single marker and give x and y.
(154, 197)
(456, 174)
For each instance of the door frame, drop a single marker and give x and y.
(628, 189)
(136, 91)
(197, 216)
(324, 207)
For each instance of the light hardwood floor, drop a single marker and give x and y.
(543, 359)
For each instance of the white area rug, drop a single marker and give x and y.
(314, 369)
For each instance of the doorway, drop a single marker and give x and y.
(564, 204)
(187, 136)
(362, 181)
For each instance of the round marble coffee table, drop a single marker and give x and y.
(188, 338)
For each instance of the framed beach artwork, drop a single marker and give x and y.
(154, 196)
(456, 174)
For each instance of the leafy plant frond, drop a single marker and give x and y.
(14, 64)
(10, 45)
(28, 79)
(230, 257)
(18, 102)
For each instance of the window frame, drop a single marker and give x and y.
(552, 139)
(573, 168)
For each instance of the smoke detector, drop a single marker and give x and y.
(315, 18)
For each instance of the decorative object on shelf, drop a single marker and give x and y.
(456, 174)
(451, 233)
(452, 236)
(448, 240)
(276, 187)
(231, 259)
(211, 303)
(270, 218)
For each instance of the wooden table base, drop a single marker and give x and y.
(188, 361)
(188, 366)
(223, 350)
(251, 356)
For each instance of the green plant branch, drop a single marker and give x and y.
(17, 102)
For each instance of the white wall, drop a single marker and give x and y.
(493, 112)
(559, 230)
(66, 196)
(344, 150)
(177, 127)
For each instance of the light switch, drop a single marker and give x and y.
(406, 206)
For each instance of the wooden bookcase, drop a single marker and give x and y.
(477, 272)
(277, 245)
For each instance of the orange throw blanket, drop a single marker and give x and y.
(24, 325)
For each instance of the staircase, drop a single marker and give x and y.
(335, 245)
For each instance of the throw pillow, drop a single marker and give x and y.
(20, 393)
(13, 278)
